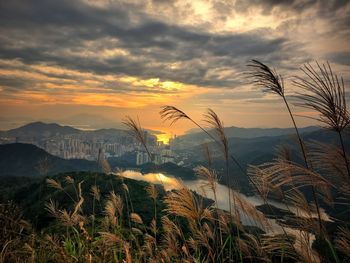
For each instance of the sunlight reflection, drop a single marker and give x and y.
(169, 183)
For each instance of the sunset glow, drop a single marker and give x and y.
(142, 55)
(164, 138)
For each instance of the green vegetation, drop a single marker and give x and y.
(19, 159)
(95, 217)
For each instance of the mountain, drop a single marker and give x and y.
(20, 159)
(33, 193)
(39, 129)
(254, 151)
(262, 132)
(259, 149)
(85, 121)
(195, 138)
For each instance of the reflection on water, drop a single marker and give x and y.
(170, 183)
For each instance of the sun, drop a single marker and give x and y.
(163, 137)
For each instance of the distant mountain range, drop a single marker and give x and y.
(192, 139)
(28, 160)
(257, 150)
(45, 130)
(39, 129)
(249, 147)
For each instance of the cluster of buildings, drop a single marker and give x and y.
(82, 149)
(89, 146)
(159, 155)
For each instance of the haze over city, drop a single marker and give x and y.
(88, 64)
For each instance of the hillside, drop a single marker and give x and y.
(39, 129)
(195, 138)
(254, 151)
(259, 149)
(33, 194)
(24, 160)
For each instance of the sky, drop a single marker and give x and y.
(90, 63)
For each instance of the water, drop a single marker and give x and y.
(170, 183)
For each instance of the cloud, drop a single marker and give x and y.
(140, 53)
(85, 38)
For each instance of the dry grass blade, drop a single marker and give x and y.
(80, 201)
(52, 208)
(54, 184)
(250, 210)
(170, 227)
(64, 216)
(208, 154)
(69, 180)
(303, 247)
(136, 218)
(284, 152)
(172, 114)
(284, 173)
(183, 203)
(266, 78)
(302, 205)
(324, 93)
(127, 253)
(255, 246)
(149, 246)
(172, 232)
(152, 191)
(125, 187)
(343, 240)
(136, 231)
(95, 192)
(210, 177)
(111, 239)
(244, 247)
(279, 245)
(113, 208)
(214, 121)
(261, 185)
(136, 131)
(329, 160)
(105, 167)
(55, 245)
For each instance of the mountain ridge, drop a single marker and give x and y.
(194, 139)
(232, 131)
(21, 159)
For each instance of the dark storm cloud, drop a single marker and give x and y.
(323, 6)
(15, 84)
(59, 33)
(341, 58)
(44, 31)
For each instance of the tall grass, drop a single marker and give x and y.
(186, 227)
